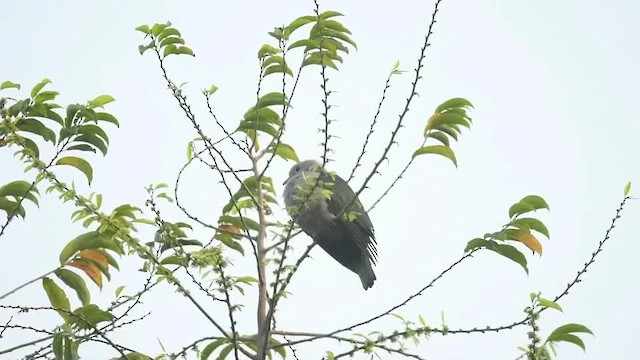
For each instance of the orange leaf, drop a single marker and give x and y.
(94, 255)
(530, 241)
(91, 270)
(230, 228)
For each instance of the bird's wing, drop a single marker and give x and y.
(354, 217)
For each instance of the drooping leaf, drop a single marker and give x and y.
(36, 127)
(453, 103)
(89, 268)
(286, 152)
(439, 150)
(89, 316)
(75, 282)
(511, 253)
(144, 29)
(530, 241)
(527, 204)
(299, 22)
(57, 298)
(549, 304)
(19, 189)
(267, 49)
(531, 224)
(89, 240)
(36, 89)
(9, 85)
(227, 239)
(79, 164)
(211, 347)
(440, 136)
(103, 116)
(167, 32)
(101, 101)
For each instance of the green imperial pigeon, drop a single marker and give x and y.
(345, 234)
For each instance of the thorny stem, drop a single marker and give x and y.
(371, 128)
(401, 117)
(276, 291)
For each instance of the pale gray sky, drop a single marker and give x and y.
(555, 87)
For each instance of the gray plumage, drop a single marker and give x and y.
(345, 234)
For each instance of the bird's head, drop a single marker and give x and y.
(304, 168)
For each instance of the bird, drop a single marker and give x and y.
(333, 217)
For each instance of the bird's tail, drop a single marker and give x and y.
(367, 276)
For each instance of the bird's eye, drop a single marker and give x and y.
(296, 169)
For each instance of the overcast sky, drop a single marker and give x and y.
(555, 89)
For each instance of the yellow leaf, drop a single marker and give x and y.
(91, 270)
(530, 241)
(430, 122)
(94, 255)
(230, 228)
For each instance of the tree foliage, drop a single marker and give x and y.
(32, 120)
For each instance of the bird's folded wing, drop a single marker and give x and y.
(356, 220)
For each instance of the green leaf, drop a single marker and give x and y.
(228, 241)
(45, 111)
(570, 328)
(224, 352)
(45, 96)
(8, 85)
(549, 304)
(478, 243)
(439, 150)
(36, 89)
(237, 221)
(93, 140)
(184, 50)
(11, 207)
(211, 347)
(527, 204)
(570, 338)
(277, 69)
(447, 118)
(29, 144)
(79, 164)
(75, 282)
(107, 117)
(329, 14)
(317, 58)
(627, 188)
(58, 346)
(260, 126)
(170, 40)
(299, 22)
(263, 114)
(19, 189)
(93, 130)
(144, 29)
(89, 240)
(267, 49)
(119, 290)
(286, 152)
(453, 103)
(168, 32)
(334, 25)
(531, 224)
(511, 253)
(89, 316)
(82, 147)
(157, 28)
(57, 297)
(272, 98)
(101, 101)
(440, 136)
(175, 260)
(212, 90)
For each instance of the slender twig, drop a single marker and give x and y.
(18, 288)
(401, 117)
(387, 85)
